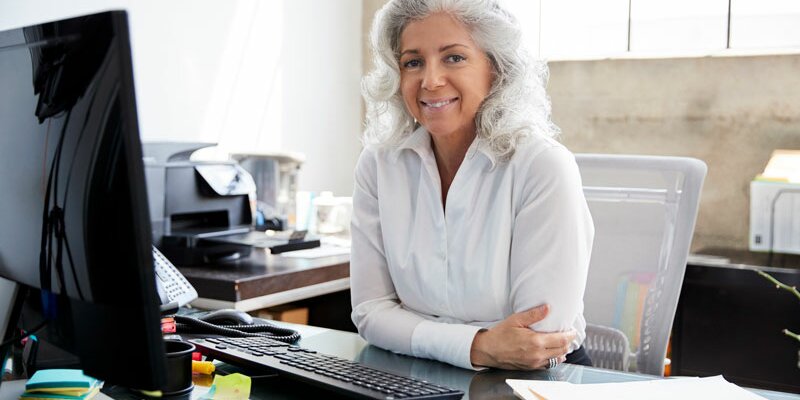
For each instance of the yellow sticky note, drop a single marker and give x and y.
(231, 387)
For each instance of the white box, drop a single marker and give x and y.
(775, 216)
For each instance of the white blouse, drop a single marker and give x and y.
(424, 279)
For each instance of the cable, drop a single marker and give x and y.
(48, 224)
(186, 324)
(35, 329)
(66, 190)
(57, 227)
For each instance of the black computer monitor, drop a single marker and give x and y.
(74, 224)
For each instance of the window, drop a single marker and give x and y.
(766, 24)
(587, 29)
(678, 26)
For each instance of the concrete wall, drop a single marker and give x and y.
(730, 112)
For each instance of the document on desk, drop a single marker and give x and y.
(715, 387)
(331, 246)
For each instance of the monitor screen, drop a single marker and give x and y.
(75, 228)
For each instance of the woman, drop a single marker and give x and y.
(471, 235)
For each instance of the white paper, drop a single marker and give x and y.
(783, 165)
(715, 387)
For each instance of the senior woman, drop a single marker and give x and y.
(471, 235)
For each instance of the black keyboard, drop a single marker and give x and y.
(329, 372)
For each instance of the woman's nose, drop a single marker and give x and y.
(434, 77)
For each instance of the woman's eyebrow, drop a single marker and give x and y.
(441, 49)
(450, 46)
(410, 51)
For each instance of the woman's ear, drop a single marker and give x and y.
(495, 68)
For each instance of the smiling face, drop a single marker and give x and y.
(444, 76)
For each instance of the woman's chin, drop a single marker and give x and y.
(442, 131)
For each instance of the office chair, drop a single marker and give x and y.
(644, 210)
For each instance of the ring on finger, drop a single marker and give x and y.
(551, 363)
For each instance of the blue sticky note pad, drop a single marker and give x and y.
(60, 378)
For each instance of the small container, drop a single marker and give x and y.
(275, 175)
(179, 368)
(332, 214)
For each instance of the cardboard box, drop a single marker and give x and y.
(285, 313)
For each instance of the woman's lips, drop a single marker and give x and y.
(437, 104)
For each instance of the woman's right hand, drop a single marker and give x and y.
(511, 344)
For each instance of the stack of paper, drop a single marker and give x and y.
(783, 166)
(715, 387)
(48, 384)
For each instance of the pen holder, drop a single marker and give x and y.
(179, 368)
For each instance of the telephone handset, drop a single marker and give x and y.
(175, 291)
(173, 288)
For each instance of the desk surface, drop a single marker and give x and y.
(264, 280)
(477, 385)
(740, 258)
(489, 384)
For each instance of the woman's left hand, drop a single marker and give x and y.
(511, 344)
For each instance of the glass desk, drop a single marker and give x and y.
(489, 384)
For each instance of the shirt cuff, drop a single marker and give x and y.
(450, 343)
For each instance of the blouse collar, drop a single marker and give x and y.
(419, 141)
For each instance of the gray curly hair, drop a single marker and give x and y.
(517, 105)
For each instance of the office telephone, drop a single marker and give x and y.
(173, 288)
(175, 291)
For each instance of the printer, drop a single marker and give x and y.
(191, 202)
(775, 205)
(202, 211)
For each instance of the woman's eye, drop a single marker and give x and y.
(455, 58)
(412, 63)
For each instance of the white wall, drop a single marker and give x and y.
(251, 75)
(322, 100)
